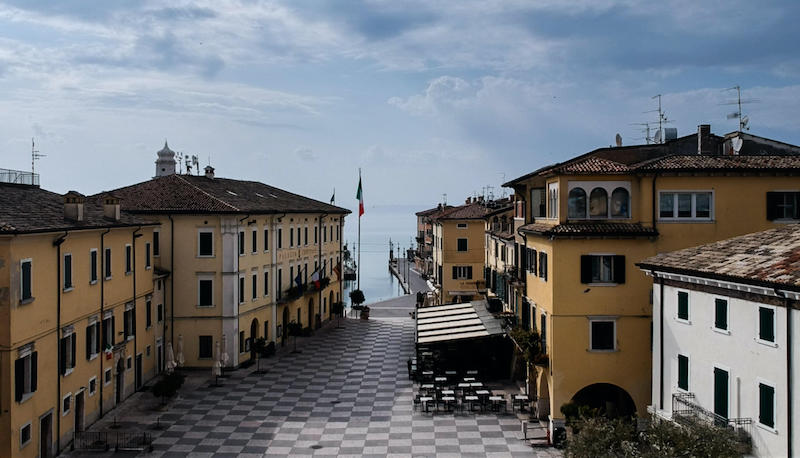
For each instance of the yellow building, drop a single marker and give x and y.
(588, 220)
(459, 243)
(80, 318)
(501, 256)
(236, 251)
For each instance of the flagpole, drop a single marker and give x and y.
(358, 266)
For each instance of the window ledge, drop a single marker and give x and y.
(107, 278)
(93, 356)
(726, 332)
(687, 220)
(26, 396)
(603, 284)
(767, 343)
(93, 282)
(68, 371)
(68, 289)
(65, 413)
(147, 267)
(147, 328)
(783, 221)
(205, 255)
(156, 255)
(603, 351)
(128, 272)
(27, 301)
(205, 306)
(681, 320)
(767, 428)
(130, 337)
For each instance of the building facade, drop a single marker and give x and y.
(500, 265)
(81, 314)
(246, 259)
(588, 220)
(725, 324)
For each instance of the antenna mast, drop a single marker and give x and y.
(35, 155)
(743, 120)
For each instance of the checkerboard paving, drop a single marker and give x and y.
(346, 394)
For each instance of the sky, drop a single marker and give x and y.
(427, 98)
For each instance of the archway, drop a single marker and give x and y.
(310, 322)
(253, 337)
(283, 325)
(610, 400)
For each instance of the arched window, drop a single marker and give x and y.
(576, 203)
(620, 203)
(598, 203)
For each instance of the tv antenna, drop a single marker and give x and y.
(35, 155)
(662, 119)
(444, 199)
(645, 129)
(743, 119)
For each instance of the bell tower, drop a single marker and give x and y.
(165, 165)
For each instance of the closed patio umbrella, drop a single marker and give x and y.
(223, 357)
(216, 368)
(179, 357)
(169, 364)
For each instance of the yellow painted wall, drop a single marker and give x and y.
(475, 233)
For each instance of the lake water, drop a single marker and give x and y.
(379, 224)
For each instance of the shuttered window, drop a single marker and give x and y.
(683, 305)
(67, 271)
(543, 265)
(721, 392)
(766, 405)
(721, 314)
(25, 375)
(683, 372)
(766, 324)
(26, 280)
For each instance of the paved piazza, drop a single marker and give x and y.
(346, 393)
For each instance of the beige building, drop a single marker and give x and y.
(243, 257)
(81, 312)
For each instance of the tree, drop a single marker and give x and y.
(168, 386)
(260, 349)
(357, 297)
(337, 308)
(294, 329)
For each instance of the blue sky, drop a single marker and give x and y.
(426, 97)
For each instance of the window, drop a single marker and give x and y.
(683, 372)
(205, 293)
(241, 243)
(266, 239)
(205, 351)
(107, 263)
(26, 281)
(266, 330)
(766, 405)
(24, 435)
(241, 342)
(305, 235)
(129, 321)
(67, 272)
(128, 260)
(108, 332)
(25, 376)
(620, 199)
(280, 281)
(721, 378)
(685, 205)
(266, 282)
(543, 265)
(576, 203)
(543, 332)
(532, 260)
(598, 203)
(205, 244)
(721, 314)
(462, 272)
(147, 255)
(254, 286)
(766, 324)
(160, 313)
(462, 244)
(538, 203)
(65, 404)
(147, 351)
(67, 352)
(298, 236)
(92, 340)
(156, 243)
(93, 266)
(280, 238)
(316, 234)
(92, 386)
(291, 237)
(241, 290)
(254, 240)
(783, 205)
(552, 196)
(107, 377)
(602, 269)
(683, 305)
(602, 335)
(324, 234)
(461, 225)
(148, 315)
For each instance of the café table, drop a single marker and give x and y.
(426, 400)
(469, 379)
(496, 400)
(520, 399)
(471, 400)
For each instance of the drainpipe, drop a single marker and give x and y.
(57, 243)
(341, 261)
(134, 236)
(172, 274)
(660, 339)
(319, 250)
(788, 371)
(101, 279)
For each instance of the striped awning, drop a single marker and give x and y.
(453, 322)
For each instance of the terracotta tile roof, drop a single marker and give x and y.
(199, 194)
(768, 257)
(432, 211)
(475, 210)
(26, 209)
(593, 165)
(710, 163)
(590, 228)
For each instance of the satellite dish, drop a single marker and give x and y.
(657, 137)
(736, 143)
(619, 140)
(745, 120)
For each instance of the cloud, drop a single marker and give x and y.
(305, 154)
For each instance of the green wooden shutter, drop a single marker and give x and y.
(720, 314)
(683, 372)
(619, 269)
(683, 305)
(721, 392)
(766, 405)
(34, 371)
(19, 379)
(772, 205)
(586, 269)
(89, 331)
(455, 272)
(766, 324)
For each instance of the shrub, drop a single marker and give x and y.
(168, 386)
(357, 297)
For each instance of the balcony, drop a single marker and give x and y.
(685, 409)
(19, 177)
(296, 292)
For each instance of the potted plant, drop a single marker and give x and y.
(260, 350)
(168, 386)
(365, 312)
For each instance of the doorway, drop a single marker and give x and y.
(253, 337)
(160, 357)
(138, 375)
(79, 410)
(46, 435)
(120, 380)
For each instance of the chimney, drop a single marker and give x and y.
(73, 206)
(439, 207)
(704, 139)
(111, 207)
(209, 172)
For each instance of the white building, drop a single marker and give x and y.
(726, 331)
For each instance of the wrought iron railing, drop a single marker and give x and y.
(685, 407)
(107, 440)
(19, 177)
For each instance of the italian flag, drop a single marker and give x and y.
(360, 197)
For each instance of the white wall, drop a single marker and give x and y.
(748, 361)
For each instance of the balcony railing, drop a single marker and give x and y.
(684, 407)
(19, 177)
(295, 292)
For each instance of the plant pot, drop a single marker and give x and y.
(364, 314)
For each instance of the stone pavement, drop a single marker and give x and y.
(346, 392)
